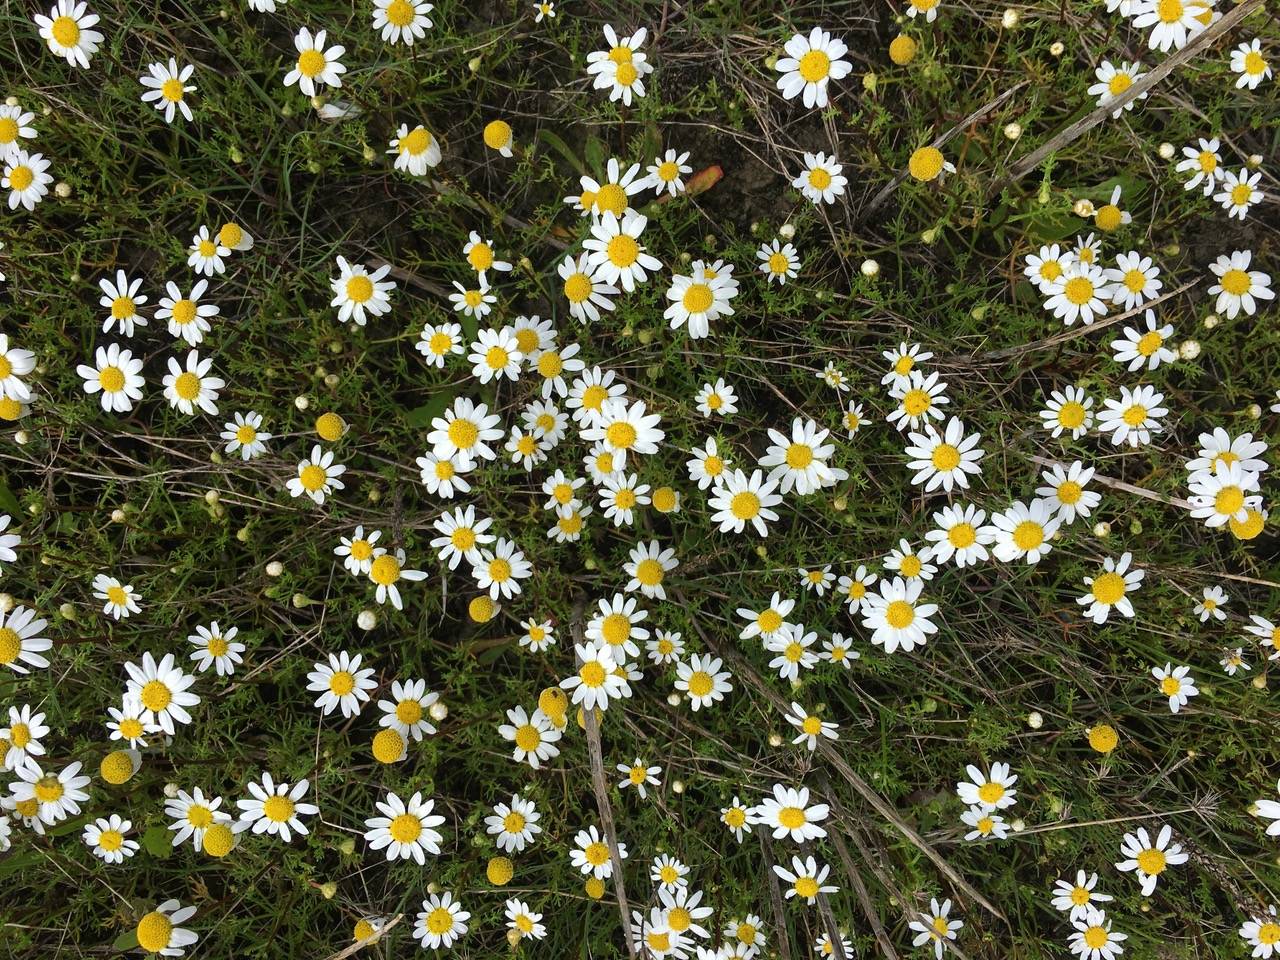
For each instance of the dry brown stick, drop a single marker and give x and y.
(361, 944)
(1117, 484)
(859, 885)
(775, 897)
(601, 788)
(833, 929)
(847, 773)
(887, 190)
(1086, 123)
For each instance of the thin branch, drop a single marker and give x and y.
(775, 897)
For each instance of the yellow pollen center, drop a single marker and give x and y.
(611, 198)
(649, 572)
(799, 456)
(399, 13)
(698, 298)
(592, 674)
(359, 288)
(171, 90)
(155, 696)
(626, 74)
(1135, 415)
(463, 434)
(769, 621)
(66, 31)
(1236, 282)
(312, 477)
(668, 171)
(622, 250)
(1149, 343)
(990, 792)
(597, 854)
(1254, 64)
(405, 828)
(899, 614)
(187, 385)
(910, 566)
(1170, 686)
(21, 177)
(439, 921)
(1241, 193)
(217, 646)
(1269, 933)
(528, 738)
(577, 287)
(513, 822)
(791, 817)
(811, 726)
(1119, 84)
(962, 535)
(621, 435)
(700, 683)
(1028, 535)
(111, 840)
(1079, 290)
(1169, 11)
(916, 402)
(806, 887)
(385, 570)
(945, 457)
(8, 130)
(499, 570)
(496, 358)
(1095, 938)
(277, 808)
(154, 931)
(48, 789)
(814, 66)
(111, 378)
(550, 364)
(745, 505)
(819, 178)
(1151, 862)
(311, 63)
(1108, 218)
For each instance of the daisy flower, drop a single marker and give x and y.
(1219, 497)
(192, 387)
(1149, 859)
(591, 853)
(358, 550)
(416, 151)
(341, 684)
(647, 566)
(408, 710)
(1134, 280)
(122, 300)
(737, 818)
(836, 649)
(702, 680)
(622, 52)
(806, 878)
(188, 317)
(441, 922)
(119, 599)
(127, 723)
(810, 728)
(21, 737)
(959, 535)
(67, 31)
(1068, 411)
(853, 418)
(498, 135)
(793, 648)
(15, 126)
(738, 500)
(462, 534)
(116, 375)
(586, 290)
(614, 252)
(20, 645)
(718, 399)
(1203, 162)
(666, 173)
(1134, 417)
(495, 355)
(811, 63)
(406, 828)
(439, 341)
(501, 569)
(613, 194)
(821, 181)
(935, 927)
(989, 791)
(1239, 192)
(626, 428)
(534, 736)
(474, 301)
(159, 931)
(466, 428)
(1024, 532)
(767, 623)
(700, 298)
(744, 938)
(106, 838)
(1078, 294)
(986, 824)
(1178, 686)
(778, 262)
(1233, 660)
(167, 87)
(919, 399)
(513, 825)
(1211, 603)
(800, 460)
(191, 815)
(1172, 22)
(1111, 589)
(902, 362)
(359, 294)
(276, 808)
(56, 795)
(1147, 349)
(315, 64)
(1248, 61)
(944, 459)
(924, 8)
(1114, 81)
(640, 775)
(388, 570)
(664, 647)
(1077, 898)
(401, 21)
(206, 255)
(596, 679)
(317, 476)
(1046, 267)
(788, 812)
(1238, 288)
(216, 648)
(896, 616)
(1262, 931)
(1219, 447)
(520, 918)
(1093, 938)
(817, 580)
(162, 689)
(1065, 491)
(543, 10)
(26, 178)
(910, 565)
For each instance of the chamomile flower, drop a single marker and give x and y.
(836, 649)
(122, 299)
(26, 177)
(513, 825)
(639, 775)
(387, 571)
(744, 938)
(920, 399)
(626, 428)
(68, 32)
(716, 399)
(1219, 497)
(1146, 349)
(1210, 605)
(1203, 162)
(1134, 280)
(811, 63)
(499, 136)
(622, 68)
(596, 679)
(1047, 266)
(833, 377)
(1262, 930)
(408, 710)
(438, 342)
(811, 727)
(416, 150)
(1248, 61)
(106, 838)
(402, 21)
(127, 723)
(501, 569)
(167, 88)
(1068, 411)
(666, 174)
(613, 194)
(586, 290)
(534, 736)
(737, 818)
(1065, 491)
(158, 932)
(1115, 80)
(1172, 22)
(648, 565)
(466, 429)
(902, 363)
(1177, 685)
(821, 181)
(989, 791)
(15, 126)
(1093, 938)
(443, 476)
(520, 917)
(188, 317)
(853, 417)
(793, 647)
(1078, 294)
(1134, 417)
(614, 252)
(56, 795)
(191, 814)
(590, 853)
(552, 365)
(162, 689)
(316, 64)
(276, 808)
(1024, 532)
(772, 620)
(897, 617)
(216, 648)
(119, 599)
(1110, 589)
(1238, 288)
(806, 879)
(1233, 660)
(986, 824)
(441, 922)
(778, 262)
(700, 298)
(702, 680)
(944, 459)
(207, 255)
(495, 355)
(908, 564)
(21, 737)
(358, 550)
(317, 476)
(1219, 447)
(406, 828)
(799, 461)
(1239, 192)
(341, 683)
(8, 540)
(614, 624)
(462, 534)
(960, 535)
(474, 301)
(116, 375)
(788, 813)
(359, 294)
(823, 947)
(738, 500)
(664, 647)
(1077, 899)
(1147, 858)
(817, 580)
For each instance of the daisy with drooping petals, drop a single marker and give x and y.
(159, 932)
(387, 570)
(1248, 61)
(188, 317)
(1111, 588)
(67, 31)
(1134, 417)
(821, 181)
(167, 86)
(1238, 288)
(416, 151)
(122, 300)
(406, 828)
(315, 63)
(341, 684)
(1239, 192)
(358, 294)
(317, 476)
(117, 375)
(276, 808)
(1220, 497)
(1176, 684)
(811, 63)
(1148, 859)
(402, 21)
(21, 737)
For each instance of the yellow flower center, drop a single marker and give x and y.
(1170, 687)
(48, 789)
(155, 696)
(1095, 937)
(577, 287)
(359, 288)
(311, 63)
(649, 572)
(1236, 282)
(342, 683)
(592, 674)
(1135, 415)
(1255, 64)
(698, 298)
(230, 235)
(1119, 84)
(385, 570)
(439, 921)
(154, 931)
(926, 163)
(812, 726)
(769, 621)
(814, 66)
(405, 828)
(1169, 11)
(277, 808)
(791, 817)
(497, 134)
(187, 385)
(1078, 290)
(945, 457)
(626, 74)
(910, 566)
(1079, 896)
(111, 840)
(399, 13)
(550, 365)
(990, 792)
(171, 90)
(1241, 193)
(66, 31)
(513, 822)
(8, 130)
(463, 434)
(1151, 862)
(668, 171)
(130, 728)
(1108, 218)
(21, 177)
(1103, 738)
(1071, 414)
(713, 466)
(217, 646)
(1028, 535)
(597, 854)
(899, 614)
(962, 535)
(806, 887)
(111, 378)
(1228, 500)
(1269, 933)
(915, 402)
(499, 570)
(700, 683)
(819, 178)
(745, 505)
(622, 250)
(799, 456)
(621, 435)
(1149, 343)
(19, 735)
(528, 738)
(496, 358)
(312, 477)
(611, 199)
